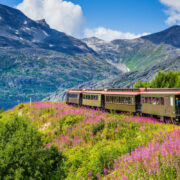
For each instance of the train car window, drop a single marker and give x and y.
(124, 100)
(119, 100)
(129, 100)
(73, 95)
(158, 101)
(162, 101)
(146, 100)
(171, 101)
(178, 102)
(107, 98)
(111, 99)
(90, 97)
(142, 100)
(152, 100)
(114, 99)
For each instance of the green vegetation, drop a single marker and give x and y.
(1, 110)
(22, 155)
(57, 141)
(162, 80)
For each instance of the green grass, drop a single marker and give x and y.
(90, 140)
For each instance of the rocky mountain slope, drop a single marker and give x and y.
(36, 60)
(39, 62)
(140, 53)
(126, 80)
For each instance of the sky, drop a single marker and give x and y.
(105, 19)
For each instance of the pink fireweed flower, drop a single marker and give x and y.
(152, 157)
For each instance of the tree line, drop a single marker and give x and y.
(162, 80)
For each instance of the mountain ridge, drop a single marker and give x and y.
(36, 60)
(41, 62)
(140, 53)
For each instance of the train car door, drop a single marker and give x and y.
(103, 101)
(80, 99)
(138, 103)
(177, 105)
(167, 105)
(67, 97)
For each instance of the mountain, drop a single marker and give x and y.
(36, 60)
(140, 53)
(125, 80)
(146, 55)
(39, 62)
(108, 51)
(129, 79)
(169, 36)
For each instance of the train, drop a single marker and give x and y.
(163, 103)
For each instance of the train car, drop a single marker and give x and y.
(164, 103)
(74, 97)
(121, 100)
(93, 98)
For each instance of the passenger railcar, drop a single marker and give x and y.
(161, 102)
(93, 98)
(122, 101)
(164, 103)
(74, 97)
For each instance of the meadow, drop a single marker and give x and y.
(81, 143)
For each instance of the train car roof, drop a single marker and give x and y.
(111, 92)
(77, 92)
(135, 93)
(121, 93)
(161, 93)
(93, 92)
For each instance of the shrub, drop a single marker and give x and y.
(22, 155)
(98, 127)
(69, 120)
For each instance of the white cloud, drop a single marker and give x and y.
(67, 17)
(109, 34)
(59, 14)
(173, 11)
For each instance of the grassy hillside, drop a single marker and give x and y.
(92, 144)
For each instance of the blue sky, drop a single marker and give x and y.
(135, 16)
(125, 16)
